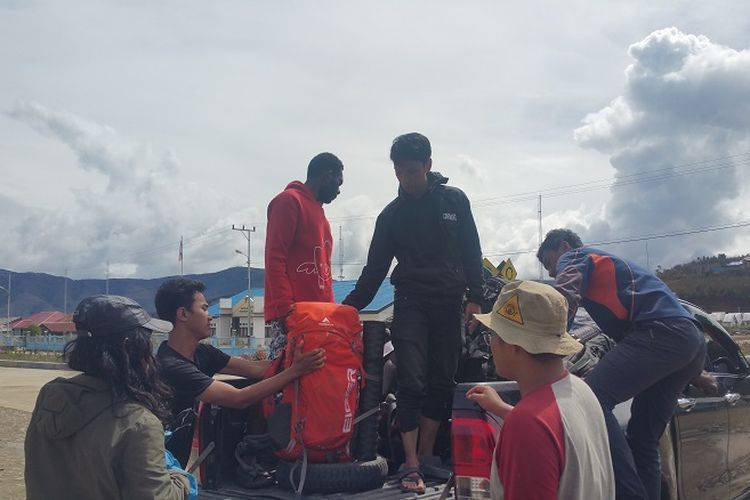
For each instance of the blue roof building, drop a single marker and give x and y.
(382, 300)
(236, 299)
(231, 313)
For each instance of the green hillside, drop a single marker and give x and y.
(717, 283)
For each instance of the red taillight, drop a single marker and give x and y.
(473, 441)
(473, 446)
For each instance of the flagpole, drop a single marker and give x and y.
(181, 258)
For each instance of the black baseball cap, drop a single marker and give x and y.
(109, 314)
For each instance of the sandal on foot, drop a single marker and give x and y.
(411, 480)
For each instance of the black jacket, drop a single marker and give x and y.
(435, 242)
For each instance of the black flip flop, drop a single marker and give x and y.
(407, 475)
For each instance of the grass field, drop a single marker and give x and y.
(23, 355)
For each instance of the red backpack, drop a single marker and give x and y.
(313, 417)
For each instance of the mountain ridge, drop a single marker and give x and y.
(34, 292)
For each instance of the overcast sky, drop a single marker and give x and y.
(126, 125)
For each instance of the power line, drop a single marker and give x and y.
(612, 182)
(629, 239)
(643, 237)
(157, 249)
(697, 167)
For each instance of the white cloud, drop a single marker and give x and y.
(470, 167)
(144, 206)
(685, 107)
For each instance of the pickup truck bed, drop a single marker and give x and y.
(389, 490)
(226, 427)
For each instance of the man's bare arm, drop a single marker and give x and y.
(245, 368)
(224, 394)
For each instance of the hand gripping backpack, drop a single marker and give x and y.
(313, 418)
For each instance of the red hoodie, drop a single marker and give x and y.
(298, 251)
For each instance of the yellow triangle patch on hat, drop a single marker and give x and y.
(511, 310)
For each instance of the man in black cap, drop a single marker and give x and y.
(188, 365)
(104, 423)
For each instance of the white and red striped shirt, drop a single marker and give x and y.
(553, 445)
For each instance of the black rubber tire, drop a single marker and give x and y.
(365, 443)
(335, 478)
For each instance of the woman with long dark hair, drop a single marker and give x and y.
(100, 434)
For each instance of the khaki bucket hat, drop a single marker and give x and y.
(533, 316)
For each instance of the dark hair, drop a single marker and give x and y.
(411, 147)
(322, 164)
(176, 293)
(126, 362)
(555, 237)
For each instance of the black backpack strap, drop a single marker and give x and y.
(303, 460)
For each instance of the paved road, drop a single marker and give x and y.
(20, 386)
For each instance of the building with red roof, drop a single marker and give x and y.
(53, 322)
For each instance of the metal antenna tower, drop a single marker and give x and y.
(246, 232)
(65, 292)
(341, 255)
(541, 275)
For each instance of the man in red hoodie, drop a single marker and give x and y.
(299, 244)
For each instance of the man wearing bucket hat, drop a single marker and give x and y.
(99, 434)
(553, 443)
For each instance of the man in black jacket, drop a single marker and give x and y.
(430, 230)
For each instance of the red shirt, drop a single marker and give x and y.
(531, 451)
(553, 445)
(298, 251)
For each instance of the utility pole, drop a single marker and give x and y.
(7, 320)
(341, 255)
(65, 292)
(541, 276)
(181, 257)
(246, 233)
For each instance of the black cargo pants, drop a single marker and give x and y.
(426, 335)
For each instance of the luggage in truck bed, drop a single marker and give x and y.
(226, 427)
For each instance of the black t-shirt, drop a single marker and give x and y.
(188, 379)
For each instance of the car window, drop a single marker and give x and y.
(719, 360)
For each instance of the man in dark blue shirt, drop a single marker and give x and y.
(660, 348)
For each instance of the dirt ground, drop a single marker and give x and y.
(12, 433)
(743, 340)
(18, 390)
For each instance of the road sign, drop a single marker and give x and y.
(508, 271)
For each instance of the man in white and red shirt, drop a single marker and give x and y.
(299, 245)
(553, 443)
